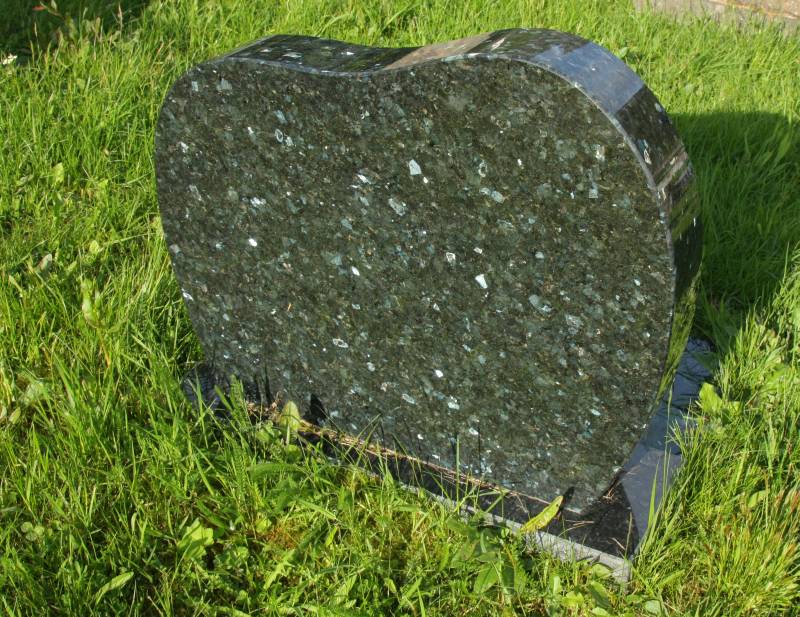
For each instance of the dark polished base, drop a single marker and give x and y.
(611, 528)
(204, 383)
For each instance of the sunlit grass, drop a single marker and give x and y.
(104, 468)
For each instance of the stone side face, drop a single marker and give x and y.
(785, 10)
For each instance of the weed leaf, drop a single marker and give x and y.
(58, 173)
(542, 520)
(290, 417)
(709, 399)
(654, 607)
(115, 583)
(195, 540)
(599, 594)
(487, 577)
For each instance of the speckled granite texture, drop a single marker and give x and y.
(480, 253)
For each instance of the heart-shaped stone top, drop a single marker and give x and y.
(480, 253)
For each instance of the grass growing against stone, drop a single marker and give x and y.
(116, 497)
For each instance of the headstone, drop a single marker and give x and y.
(477, 255)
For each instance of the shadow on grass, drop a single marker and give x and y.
(748, 173)
(24, 25)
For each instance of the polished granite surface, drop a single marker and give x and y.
(479, 253)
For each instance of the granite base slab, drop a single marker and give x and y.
(610, 531)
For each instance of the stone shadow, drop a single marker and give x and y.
(747, 168)
(24, 25)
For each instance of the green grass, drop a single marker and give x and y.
(104, 468)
